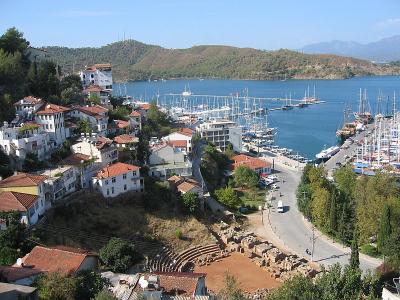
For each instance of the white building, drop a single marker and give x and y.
(51, 118)
(101, 149)
(20, 140)
(84, 167)
(117, 179)
(135, 119)
(95, 114)
(60, 182)
(166, 160)
(99, 93)
(221, 133)
(184, 134)
(27, 106)
(98, 74)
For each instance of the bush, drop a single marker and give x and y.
(369, 250)
(179, 234)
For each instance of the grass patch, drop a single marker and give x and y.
(370, 250)
(252, 199)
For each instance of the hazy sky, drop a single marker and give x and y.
(179, 24)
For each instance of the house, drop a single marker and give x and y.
(143, 109)
(185, 185)
(17, 275)
(84, 167)
(101, 149)
(96, 115)
(27, 184)
(51, 118)
(390, 292)
(27, 106)
(9, 291)
(97, 74)
(118, 127)
(183, 134)
(260, 166)
(117, 179)
(30, 207)
(135, 119)
(125, 141)
(28, 137)
(221, 133)
(60, 182)
(95, 91)
(166, 159)
(158, 285)
(62, 259)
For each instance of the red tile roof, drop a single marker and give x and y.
(135, 114)
(186, 131)
(120, 124)
(176, 283)
(174, 179)
(178, 143)
(115, 170)
(75, 159)
(95, 110)
(251, 162)
(50, 109)
(144, 106)
(102, 142)
(92, 88)
(13, 201)
(57, 259)
(29, 100)
(187, 186)
(22, 179)
(125, 139)
(11, 274)
(98, 66)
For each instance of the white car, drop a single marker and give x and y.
(274, 186)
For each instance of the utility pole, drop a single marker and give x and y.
(313, 243)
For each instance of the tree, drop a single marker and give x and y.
(355, 256)
(228, 197)
(231, 289)
(320, 206)
(333, 213)
(298, 288)
(71, 81)
(104, 295)
(84, 126)
(385, 228)
(142, 149)
(13, 41)
(345, 179)
(245, 177)
(5, 169)
(31, 162)
(118, 254)
(89, 284)
(55, 286)
(190, 201)
(119, 113)
(229, 151)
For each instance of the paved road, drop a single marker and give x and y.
(296, 234)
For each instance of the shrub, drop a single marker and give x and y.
(179, 234)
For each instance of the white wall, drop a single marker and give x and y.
(54, 124)
(166, 154)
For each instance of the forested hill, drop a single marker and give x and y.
(133, 60)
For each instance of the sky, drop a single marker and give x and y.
(258, 24)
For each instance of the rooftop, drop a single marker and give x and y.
(22, 179)
(92, 88)
(50, 109)
(29, 100)
(177, 143)
(98, 67)
(14, 201)
(135, 114)
(75, 159)
(12, 274)
(125, 139)
(8, 288)
(251, 162)
(115, 170)
(51, 173)
(56, 259)
(187, 186)
(144, 106)
(186, 131)
(94, 110)
(101, 142)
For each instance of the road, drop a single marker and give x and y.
(296, 233)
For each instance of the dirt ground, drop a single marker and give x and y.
(248, 274)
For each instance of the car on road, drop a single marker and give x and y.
(280, 207)
(274, 187)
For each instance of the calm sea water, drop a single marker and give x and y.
(305, 130)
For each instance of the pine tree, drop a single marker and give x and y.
(355, 256)
(385, 228)
(333, 214)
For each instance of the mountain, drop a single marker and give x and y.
(133, 60)
(384, 50)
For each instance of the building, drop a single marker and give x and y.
(143, 109)
(9, 291)
(51, 118)
(27, 106)
(84, 167)
(17, 275)
(391, 293)
(185, 185)
(166, 159)
(96, 92)
(96, 115)
(221, 133)
(135, 118)
(30, 207)
(119, 127)
(65, 260)
(184, 134)
(60, 182)
(29, 137)
(260, 166)
(117, 179)
(101, 149)
(27, 184)
(125, 141)
(158, 285)
(97, 74)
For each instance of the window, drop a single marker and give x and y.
(125, 187)
(112, 190)
(113, 180)
(51, 126)
(124, 176)
(106, 182)
(41, 202)
(47, 126)
(108, 192)
(134, 173)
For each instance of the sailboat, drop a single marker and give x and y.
(363, 116)
(349, 128)
(187, 91)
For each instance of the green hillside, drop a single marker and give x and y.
(133, 60)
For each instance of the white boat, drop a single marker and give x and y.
(187, 91)
(327, 153)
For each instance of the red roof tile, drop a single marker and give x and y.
(22, 179)
(50, 109)
(186, 131)
(251, 162)
(29, 100)
(115, 170)
(11, 274)
(75, 159)
(187, 186)
(144, 106)
(13, 201)
(95, 110)
(174, 179)
(102, 142)
(178, 143)
(135, 114)
(125, 139)
(92, 88)
(120, 124)
(57, 259)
